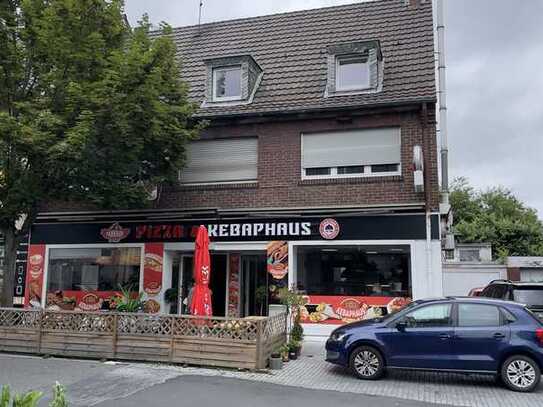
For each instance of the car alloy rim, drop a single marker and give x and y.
(521, 373)
(366, 363)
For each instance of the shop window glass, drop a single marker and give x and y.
(97, 269)
(354, 271)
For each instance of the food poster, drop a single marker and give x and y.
(277, 259)
(35, 275)
(326, 309)
(233, 285)
(153, 262)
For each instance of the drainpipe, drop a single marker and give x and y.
(442, 91)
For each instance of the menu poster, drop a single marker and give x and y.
(277, 263)
(337, 310)
(34, 275)
(152, 268)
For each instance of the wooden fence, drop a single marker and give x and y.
(236, 343)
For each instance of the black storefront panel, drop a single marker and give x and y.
(384, 227)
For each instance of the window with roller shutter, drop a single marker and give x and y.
(221, 161)
(353, 153)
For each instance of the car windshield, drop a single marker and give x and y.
(530, 296)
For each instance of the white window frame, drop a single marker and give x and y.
(333, 170)
(366, 174)
(217, 98)
(346, 57)
(48, 249)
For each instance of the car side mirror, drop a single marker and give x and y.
(401, 326)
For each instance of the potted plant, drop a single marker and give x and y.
(293, 347)
(126, 303)
(276, 360)
(284, 352)
(294, 303)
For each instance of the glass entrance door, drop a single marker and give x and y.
(185, 282)
(254, 285)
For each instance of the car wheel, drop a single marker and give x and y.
(367, 363)
(520, 373)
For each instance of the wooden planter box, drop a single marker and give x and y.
(223, 342)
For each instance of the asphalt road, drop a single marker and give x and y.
(91, 383)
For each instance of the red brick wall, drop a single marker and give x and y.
(279, 169)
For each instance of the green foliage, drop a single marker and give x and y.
(498, 217)
(59, 396)
(29, 399)
(126, 302)
(90, 110)
(297, 332)
(171, 295)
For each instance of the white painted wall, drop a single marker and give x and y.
(460, 278)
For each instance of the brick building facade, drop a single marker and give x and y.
(318, 172)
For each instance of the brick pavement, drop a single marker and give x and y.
(311, 372)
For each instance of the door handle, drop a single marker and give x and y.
(444, 336)
(499, 335)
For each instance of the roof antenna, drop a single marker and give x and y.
(200, 12)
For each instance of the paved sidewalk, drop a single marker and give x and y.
(92, 383)
(311, 372)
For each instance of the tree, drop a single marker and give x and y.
(90, 111)
(498, 217)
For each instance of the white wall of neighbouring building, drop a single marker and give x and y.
(460, 278)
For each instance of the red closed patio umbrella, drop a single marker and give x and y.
(201, 295)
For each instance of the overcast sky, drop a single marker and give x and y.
(495, 80)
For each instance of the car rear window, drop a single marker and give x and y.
(531, 296)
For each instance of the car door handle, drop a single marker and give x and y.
(444, 336)
(499, 335)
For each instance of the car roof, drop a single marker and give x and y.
(474, 300)
(518, 283)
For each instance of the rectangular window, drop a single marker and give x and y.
(353, 153)
(97, 269)
(218, 161)
(470, 255)
(318, 171)
(354, 271)
(382, 168)
(430, 316)
(352, 72)
(352, 169)
(472, 315)
(227, 83)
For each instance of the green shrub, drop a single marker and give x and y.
(59, 396)
(31, 398)
(297, 332)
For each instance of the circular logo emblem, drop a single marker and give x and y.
(329, 229)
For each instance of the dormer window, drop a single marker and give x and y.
(231, 80)
(352, 72)
(227, 83)
(354, 68)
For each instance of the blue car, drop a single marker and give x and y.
(469, 335)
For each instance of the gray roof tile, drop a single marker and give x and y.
(291, 49)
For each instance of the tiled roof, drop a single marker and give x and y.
(291, 49)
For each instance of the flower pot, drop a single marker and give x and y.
(276, 363)
(292, 355)
(285, 357)
(299, 350)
